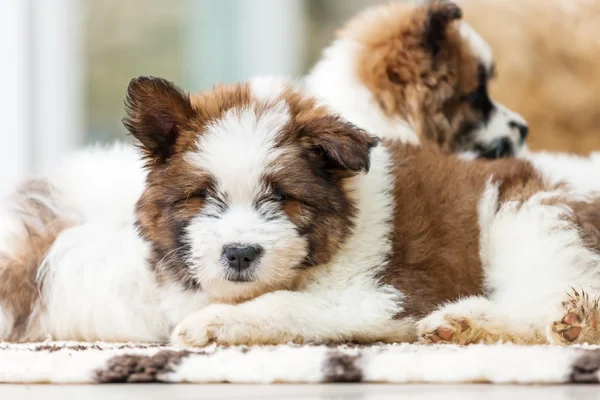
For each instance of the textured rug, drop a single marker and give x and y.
(70, 363)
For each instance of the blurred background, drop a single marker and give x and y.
(66, 63)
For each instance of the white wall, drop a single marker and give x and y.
(42, 98)
(58, 73)
(15, 117)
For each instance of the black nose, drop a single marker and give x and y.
(498, 149)
(240, 257)
(522, 128)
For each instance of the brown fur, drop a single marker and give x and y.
(435, 242)
(419, 68)
(548, 55)
(587, 216)
(163, 211)
(19, 290)
(435, 255)
(315, 202)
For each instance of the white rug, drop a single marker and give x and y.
(69, 363)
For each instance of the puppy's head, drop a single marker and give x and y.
(425, 65)
(245, 183)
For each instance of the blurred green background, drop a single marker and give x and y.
(197, 43)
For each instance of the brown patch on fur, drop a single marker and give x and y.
(435, 254)
(518, 180)
(132, 368)
(19, 291)
(323, 150)
(418, 67)
(587, 217)
(175, 191)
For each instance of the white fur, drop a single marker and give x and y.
(535, 243)
(95, 280)
(237, 151)
(342, 301)
(84, 178)
(97, 285)
(334, 81)
(268, 89)
(500, 125)
(239, 148)
(532, 255)
(478, 45)
(579, 172)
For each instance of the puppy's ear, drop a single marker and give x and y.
(341, 147)
(440, 13)
(155, 111)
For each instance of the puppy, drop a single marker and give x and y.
(358, 77)
(416, 71)
(263, 218)
(325, 237)
(412, 71)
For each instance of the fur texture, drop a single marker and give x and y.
(416, 71)
(351, 240)
(253, 214)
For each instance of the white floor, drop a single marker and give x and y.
(276, 392)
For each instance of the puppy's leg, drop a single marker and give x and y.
(476, 320)
(577, 321)
(301, 317)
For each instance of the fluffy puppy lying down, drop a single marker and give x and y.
(412, 71)
(264, 218)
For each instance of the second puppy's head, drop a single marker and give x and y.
(245, 183)
(421, 64)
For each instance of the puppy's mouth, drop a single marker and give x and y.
(498, 148)
(239, 277)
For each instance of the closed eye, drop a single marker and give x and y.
(199, 194)
(280, 196)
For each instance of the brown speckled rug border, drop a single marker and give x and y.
(73, 363)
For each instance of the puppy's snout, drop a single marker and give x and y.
(241, 257)
(522, 128)
(499, 148)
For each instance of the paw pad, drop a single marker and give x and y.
(447, 333)
(579, 320)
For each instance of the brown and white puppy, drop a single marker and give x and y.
(324, 237)
(265, 218)
(411, 71)
(407, 70)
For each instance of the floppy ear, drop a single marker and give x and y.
(343, 148)
(155, 111)
(440, 13)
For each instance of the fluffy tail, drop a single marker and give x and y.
(29, 224)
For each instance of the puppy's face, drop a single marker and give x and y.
(245, 190)
(425, 65)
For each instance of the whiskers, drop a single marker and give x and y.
(170, 256)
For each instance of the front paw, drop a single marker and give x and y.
(216, 323)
